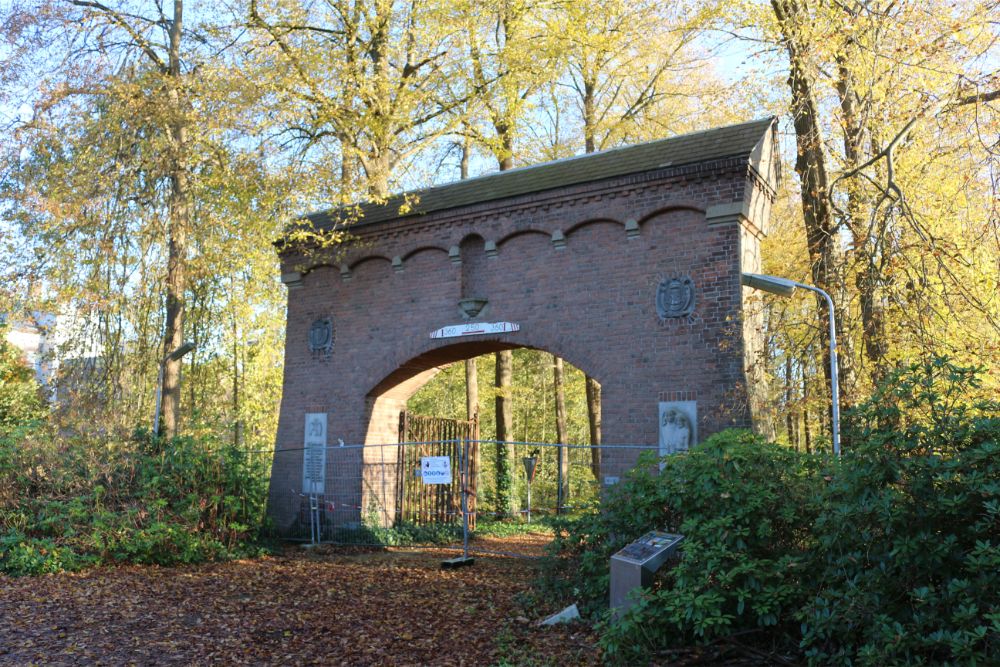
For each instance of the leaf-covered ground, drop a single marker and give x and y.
(330, 607)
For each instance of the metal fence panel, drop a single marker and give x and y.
(377, 495)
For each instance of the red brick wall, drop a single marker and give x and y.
(592, 302)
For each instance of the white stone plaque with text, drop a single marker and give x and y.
(476, 329)
(314, 460)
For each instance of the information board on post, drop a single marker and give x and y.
(314, 459)
(651, 549)
(435, 469)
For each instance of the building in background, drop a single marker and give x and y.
(33, 336)
(56, 347)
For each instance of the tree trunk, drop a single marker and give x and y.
(589, 120)
(865, 237)
(594, 419)
(789, 412)
(471, 389)
(472, 412)
(237, 427)
(377, 167)
(504, 427)
(348, 171)
(562, 493)
(806, 433)
(466, 152)
(810, 165)
(504, 129)
(179, 211)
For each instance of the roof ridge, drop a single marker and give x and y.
(516, 183)
(584, 156)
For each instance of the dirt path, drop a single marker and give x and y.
(331, 608)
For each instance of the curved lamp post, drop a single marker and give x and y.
(785, 287)
(173, 356)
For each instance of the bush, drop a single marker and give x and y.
(20, 399)
(908, 557)
(67, 503)
(744, 507)
(890, 555)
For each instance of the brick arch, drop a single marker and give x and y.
(353, 266)
(411, 375)
(306, 269)
(666, 210)
(474, 237)
(593, 221)
(593, 303)
(424, 248)
(521, 234)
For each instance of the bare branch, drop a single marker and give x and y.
(119, 20)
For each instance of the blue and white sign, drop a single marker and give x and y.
(435, 469)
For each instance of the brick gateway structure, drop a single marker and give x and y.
(626, 263)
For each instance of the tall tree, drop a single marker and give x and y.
(631, 67)
(561, 436)
(811, 167)
(126, 173)
(361, 81)
(179, 207)
(593, 390)
(504, 430)
(510, 56)
(895, 251)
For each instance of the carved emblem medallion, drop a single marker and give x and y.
(321, 337)
(675, 298)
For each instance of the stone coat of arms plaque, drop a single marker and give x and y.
(675, 298)
(321, 337)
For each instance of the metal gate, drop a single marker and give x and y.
(422, 436)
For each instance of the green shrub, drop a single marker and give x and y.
(66, 503)
(744, 507)
(890, 555)
(20, 397)
(20, 555)
(908, 558)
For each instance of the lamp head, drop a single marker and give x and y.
(772, 284)
(181, 351)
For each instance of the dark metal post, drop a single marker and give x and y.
(559, 480)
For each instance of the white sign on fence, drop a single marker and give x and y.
(436, 469)
(475, 329)
(314, 460)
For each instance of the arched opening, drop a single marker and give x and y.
(426, 401)
(573, 259)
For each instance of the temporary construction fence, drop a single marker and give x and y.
(479, 495)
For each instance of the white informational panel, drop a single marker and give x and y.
(435, 469)
(314, 461)
(476, 329)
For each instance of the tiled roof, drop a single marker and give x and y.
(725, 142)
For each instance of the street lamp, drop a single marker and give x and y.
(173, 356)
(785, 287)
